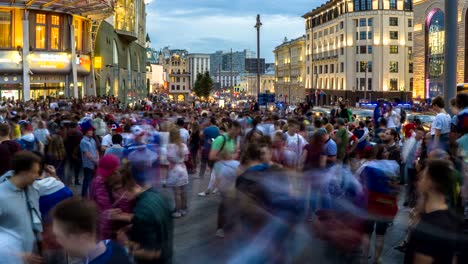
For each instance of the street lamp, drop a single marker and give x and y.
(257, 26)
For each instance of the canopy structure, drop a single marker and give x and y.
(92, 9)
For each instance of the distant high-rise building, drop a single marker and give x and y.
(251, 66)
(220, 65)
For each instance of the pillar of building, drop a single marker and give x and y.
(26, 71)
(73, 57)
(451, 34)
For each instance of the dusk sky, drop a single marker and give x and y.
(206, 26)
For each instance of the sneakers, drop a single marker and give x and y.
(176, 214)
(183, 212)
(220, 233)
(215, 191)
(203, 194)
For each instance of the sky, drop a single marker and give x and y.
(206, 26)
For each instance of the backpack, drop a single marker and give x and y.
(402, 116)
(222, 146)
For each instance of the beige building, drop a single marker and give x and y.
(290, 70)
(359, 49)
(429, 34)
(267, 84)
(175, 65)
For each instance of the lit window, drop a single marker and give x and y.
(40, 31)
(55, 32)
(5, 29)
(394, 49)
(393, 84)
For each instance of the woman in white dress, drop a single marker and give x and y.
(177, 178)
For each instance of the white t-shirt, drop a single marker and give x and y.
(184, 134)
(294, 146)
(442, 122)
(107, 141)
(393, 119)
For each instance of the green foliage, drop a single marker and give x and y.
(203, 85)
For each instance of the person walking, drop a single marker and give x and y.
(89, 155)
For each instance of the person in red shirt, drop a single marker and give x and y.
(409, 128)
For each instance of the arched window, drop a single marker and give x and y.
(435, 38)
(115, 53)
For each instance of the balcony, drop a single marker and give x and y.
(126, 35)
(179, 73)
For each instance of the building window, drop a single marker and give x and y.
(362, 35)
(369, 84)
(394, 49)
(315, 70)
(363, 66)
(342, 67)
(411, 84)
(183, 87)
(393, 85)
(410, 67)
(408, 5)
(342, 83)
(5, 29)
(370, 22)
(362, 83)
(410, 36)
(357, 66)
(326, 68)
(308, 36)
(178, 87)
(332, 68)
(54, 32)
(394, 21)
(357, 49)
(410, 22)
(393, 34)
(393, 4)
(315, 35)
(369, 66)
(363, 49)
(40, 31)
(357, 35)
(342, 37)
(342, 51)
(410, 53)
(341, 25)
(172, 87)
(357, 6)
(369, 49)
(362, 22)
(370, 35)
(394, 66)
(320, 69)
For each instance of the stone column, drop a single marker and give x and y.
(26, 76)
(73, 57)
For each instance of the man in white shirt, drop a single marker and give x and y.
(184, 134)
(107, 139)
(295, 143)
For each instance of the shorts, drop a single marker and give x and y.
(380, 227)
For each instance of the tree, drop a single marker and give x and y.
(203, 85)
(197, 86)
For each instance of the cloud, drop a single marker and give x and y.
(210, 25)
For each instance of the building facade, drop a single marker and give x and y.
(251, 66)
(175, 65)
(428, 53)
(360, 49)
(120, 46)
(220, 65)
(290, 71)
(267, 84)
(46, 48)
(198, 63)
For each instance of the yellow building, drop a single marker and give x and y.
(290, 70)
(176, 66)
(45, 47)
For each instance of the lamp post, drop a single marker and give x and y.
(257, 26)
(451, 30)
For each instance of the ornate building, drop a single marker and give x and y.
(47, 47)
(360, 49)
(175, 65)
(429, 39)
(290, 70)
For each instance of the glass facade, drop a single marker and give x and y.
(5, 29)
(435, 37)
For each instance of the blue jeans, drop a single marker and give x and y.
(87, 176)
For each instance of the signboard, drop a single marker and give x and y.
(50, 62)
(97, 62)
(10, 94)
(84, 64)
(10, 61)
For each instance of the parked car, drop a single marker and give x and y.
(426, 120)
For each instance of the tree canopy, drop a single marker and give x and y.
(203, 85)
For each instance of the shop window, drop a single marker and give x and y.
(5, 29)
(54, 32)
(40, 31)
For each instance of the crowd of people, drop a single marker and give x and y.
(82, 180)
